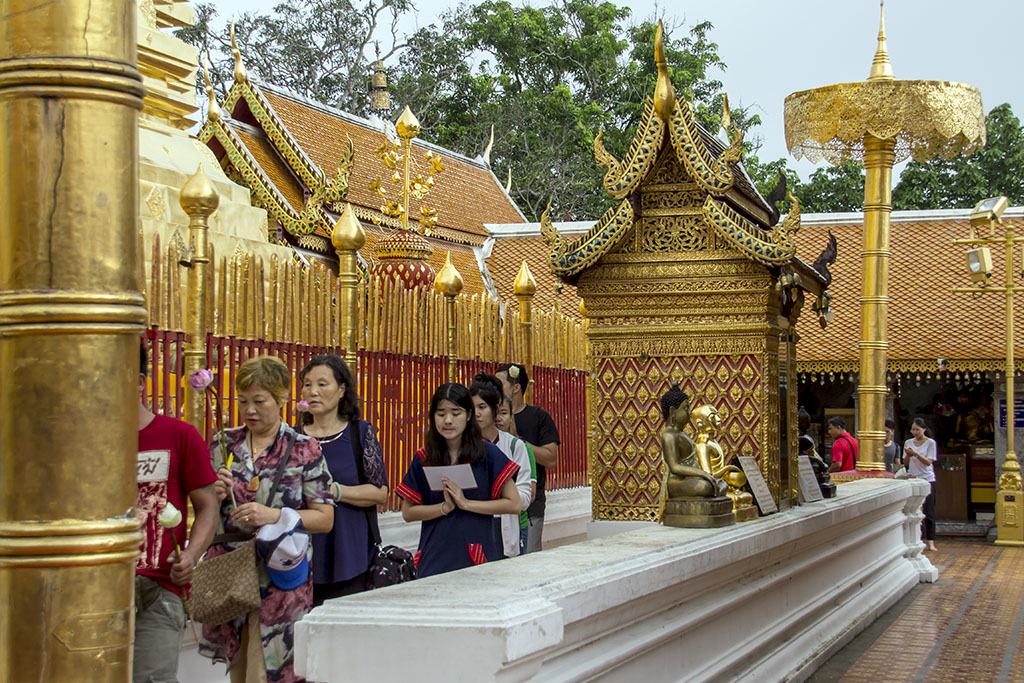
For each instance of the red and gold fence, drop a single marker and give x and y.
(290, 310)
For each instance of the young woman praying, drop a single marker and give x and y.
(487, 397)
(458, 529)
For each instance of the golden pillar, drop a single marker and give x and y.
(348, 237)
(525, 287)
(70, 319)
(449, 283)
(199, 200)
(879, 122)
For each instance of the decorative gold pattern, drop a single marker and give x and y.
(714, 175)
(779, 247)
(625, 176)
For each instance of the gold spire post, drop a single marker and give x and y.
(348, 237)
(71, 316)
(525, 287)
(449, 283)
(878, 122)
(199, 200)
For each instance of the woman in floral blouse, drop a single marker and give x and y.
(256, 448)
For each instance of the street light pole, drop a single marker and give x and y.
(1010, 496)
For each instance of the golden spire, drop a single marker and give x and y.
(240, 74)
(726, 115)
(583, 308)
(448, 281)
(881, 68)
(213, 109)
(198, 197)
(408, 125)
(380, 98)
(664, 94)
(348, 233)
(524, 285)
(508, 185)
(487, 150)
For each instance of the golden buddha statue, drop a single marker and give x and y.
(691, 496)
(707, 422)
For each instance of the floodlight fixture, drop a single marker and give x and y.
(989, 210)
(979, 264)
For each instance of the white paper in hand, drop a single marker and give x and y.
(460, 475)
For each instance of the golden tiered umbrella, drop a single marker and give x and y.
(878, 122)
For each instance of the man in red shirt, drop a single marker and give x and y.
(173, 466)
(844, 446)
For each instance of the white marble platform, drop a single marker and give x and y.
(767, 600)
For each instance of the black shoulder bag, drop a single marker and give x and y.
(389, 564)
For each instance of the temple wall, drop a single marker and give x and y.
(767, 600)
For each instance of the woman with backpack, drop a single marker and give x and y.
(341, 558)
(487, 395)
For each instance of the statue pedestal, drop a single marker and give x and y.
(828, 490)
(699, 513)
(767, 600)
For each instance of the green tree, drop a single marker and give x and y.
(548, 79)
(963, 181)
(318, 48)
(833, 189)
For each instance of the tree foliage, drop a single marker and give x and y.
(832, 189)
(963, 181)
(317, 48)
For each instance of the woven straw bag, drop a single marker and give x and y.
(225, 587)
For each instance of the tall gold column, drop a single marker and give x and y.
(70, 319)
(348, 237)
(199, 200)
(525, 287)
(879, 122)
(449, 283)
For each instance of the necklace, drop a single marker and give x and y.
(326, 438)
(254, 483)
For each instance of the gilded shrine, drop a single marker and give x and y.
(690, 278)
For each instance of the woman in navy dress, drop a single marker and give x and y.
(341, 558)
(458, 528)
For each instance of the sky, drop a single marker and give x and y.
(773, 47)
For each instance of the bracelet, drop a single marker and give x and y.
(443, 513)
(336, 491)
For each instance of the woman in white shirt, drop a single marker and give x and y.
(486, 394)
(920, 453)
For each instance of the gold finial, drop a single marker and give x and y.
(881, 68)
(487, 151)
(213, 109)
(726, 115)
(524, 285)
(348, 233)
(508, 185)
(408, 126)
(583, 309)
(664, 94)
(197, 196)
(240, 74)
(448, 281)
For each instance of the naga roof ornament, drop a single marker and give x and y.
(713, 168)
(241, 76)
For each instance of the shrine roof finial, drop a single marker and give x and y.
(212, 109)
(881, 68)
(241, 76)
(664, 94)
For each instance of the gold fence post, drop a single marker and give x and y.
(199, 200)
(449, 283)
(524, 288)
(71, 316)
(348, 237)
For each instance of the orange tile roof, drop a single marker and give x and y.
(507, 257)
(463, 258)
(926, 321)
(466, 195)
(275, 168)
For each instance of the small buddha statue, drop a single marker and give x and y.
(711, 457)
(690, 495)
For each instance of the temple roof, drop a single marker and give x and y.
(287, 149)
(927, 321)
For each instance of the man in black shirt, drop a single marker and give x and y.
(535, 426)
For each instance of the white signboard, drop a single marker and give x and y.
(758, 485)
(809, 489)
